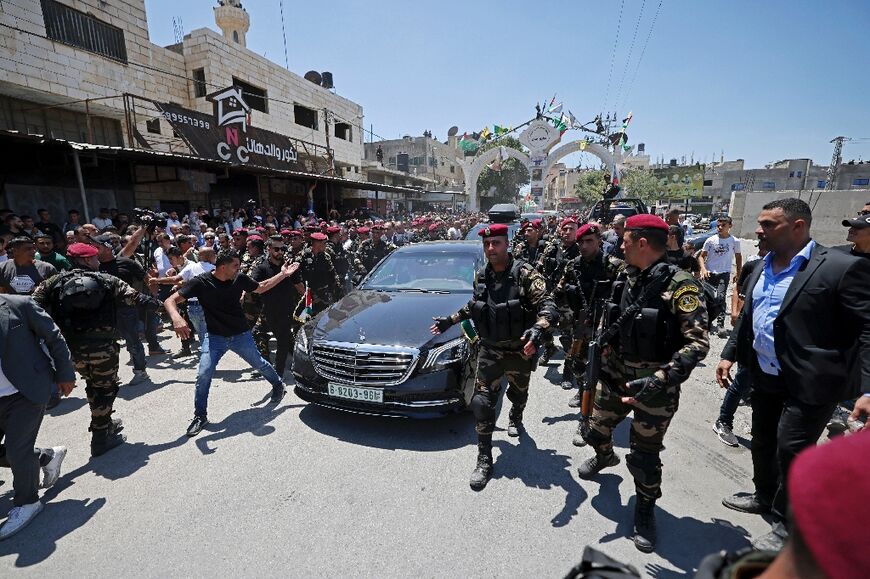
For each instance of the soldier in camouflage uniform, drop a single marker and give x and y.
(587, 279)
(296, 244)
(551, 264)
(436, 233)
(528, 246)
(252, 304)
(340, 257)
(83, 304)
(643, 367)
(511, 310)
(317, 271)
(371, 251)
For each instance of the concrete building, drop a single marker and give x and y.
(559, 186)
(66, 66)
(420, 157)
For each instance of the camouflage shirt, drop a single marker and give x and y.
(370, 252)
(683, 299)
(552, 261)
(522, 250)
(584, 280)
(318, 271)
(534, 292)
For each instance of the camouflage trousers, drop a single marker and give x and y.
(648, 427)
(565, 325)
(97, 363)
(493, 364)
(252, 307)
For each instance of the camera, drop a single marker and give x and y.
(149, 219)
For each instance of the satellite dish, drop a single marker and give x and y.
(313, 76)
(453, 131)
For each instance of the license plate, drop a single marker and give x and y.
(356, 393)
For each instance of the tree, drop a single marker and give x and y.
(590, 186)
(509, 180)
(640, 183)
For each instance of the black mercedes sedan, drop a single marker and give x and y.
(372, 353)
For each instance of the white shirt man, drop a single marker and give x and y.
(715, 261)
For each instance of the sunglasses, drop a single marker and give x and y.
(864, 212)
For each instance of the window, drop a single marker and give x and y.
(860, 182)
(343, 131)
(236, 36)
(768, 185)
(452, 169)
(199, 82)
(821, 183)
(791, 174)
(708, 182)
(81, 30)
(153, 125)
(800, 174)
(305, 116)
(738, 186)
(255, 97)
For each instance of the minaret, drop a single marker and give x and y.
(233, 20)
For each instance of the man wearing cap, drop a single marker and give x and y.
(552, 264)
(371, 251)
(528, 245)
(21, 274)
(804, 332)
(340, 257)
(657, 315)
(587, 280)
(317, 273)
(83, 304)
(859, 234)
(511, 310)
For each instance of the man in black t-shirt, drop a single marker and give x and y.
(278, 304)
(219, 293)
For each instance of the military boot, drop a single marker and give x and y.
(644, 524)
(576, 401)
(578, 439)
(515, 422)
(117, 425)
(481, 473)
(567, 376)
(104, 440)
(592, 466)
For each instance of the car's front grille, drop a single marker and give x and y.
(363, 364)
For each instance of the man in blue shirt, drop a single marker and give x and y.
(804, 334)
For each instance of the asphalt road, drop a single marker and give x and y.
(302, 491)
(299, 490)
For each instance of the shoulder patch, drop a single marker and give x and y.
(688, 302)
(538, 284)
(689, 289)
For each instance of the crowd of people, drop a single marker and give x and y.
(234, 279)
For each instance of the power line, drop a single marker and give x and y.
(630, 49)
(613, 55)
(284, 34)
(642, 53)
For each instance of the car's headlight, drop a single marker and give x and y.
(301, 341)
(444, 355)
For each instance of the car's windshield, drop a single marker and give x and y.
(473, 236)
(425, 271)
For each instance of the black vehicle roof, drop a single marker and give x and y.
(459, 246)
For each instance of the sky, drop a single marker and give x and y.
(757, 80)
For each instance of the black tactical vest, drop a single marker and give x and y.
(499, 311)
(83, 305)
(653, 334)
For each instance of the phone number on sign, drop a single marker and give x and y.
(184, 119)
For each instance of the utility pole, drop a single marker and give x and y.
(836, 161)
(329, 157)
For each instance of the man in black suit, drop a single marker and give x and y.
(804, 334)
(33, 357)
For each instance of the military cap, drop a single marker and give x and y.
(567, 221)
(494, 230)
(295, 233)
(362, 230)
(81, 250)
(646, 221)
(318, 237)
(333, 230)
(434, 227)
(589, 228)
(285, 232)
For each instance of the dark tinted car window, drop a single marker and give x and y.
(438, 271)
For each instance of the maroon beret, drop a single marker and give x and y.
(646, 221)
(378, 226)
(295, 233)
(587, 229)
(318, 236)
(433, 227)
(362, 230)
(310, 228)
(535, 224)
(494, 230)
(824, 483)
(567, 221)
(285, 232)
(333, 230)
(81, 250)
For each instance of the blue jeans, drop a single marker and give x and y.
(128, 322)
(197, 318)
(212, 350)
(739, 388)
